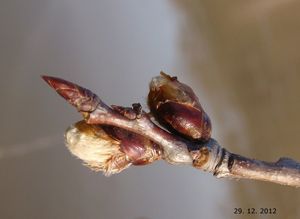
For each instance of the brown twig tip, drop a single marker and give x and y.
(64, 88)
(83, 99)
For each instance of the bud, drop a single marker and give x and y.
(176, 106)
(109, 149)
(138, 149)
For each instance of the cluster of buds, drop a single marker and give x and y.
(111, 138)
(111, 149)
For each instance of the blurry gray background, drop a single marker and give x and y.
(241, 58)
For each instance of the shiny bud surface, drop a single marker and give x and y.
(176, 106)
(139, 149)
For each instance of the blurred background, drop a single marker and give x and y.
(241, 58)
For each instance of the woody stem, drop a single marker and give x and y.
(208, 156)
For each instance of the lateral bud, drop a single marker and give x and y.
(109, 149)
(176, 106)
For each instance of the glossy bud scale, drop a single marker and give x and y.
(176, 106)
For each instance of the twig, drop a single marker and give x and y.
(208, 156)
(213, 158)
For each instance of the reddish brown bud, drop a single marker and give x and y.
(83, 99)
(139, 149)
(175, 105)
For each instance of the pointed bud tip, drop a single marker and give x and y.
(55, 82)
(64, 88)
(46, 78)
(83, 99)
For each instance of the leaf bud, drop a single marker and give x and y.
(176, 106)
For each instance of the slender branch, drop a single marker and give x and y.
(213, 158)
(208, 156)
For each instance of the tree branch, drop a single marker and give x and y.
(213, 158)
(208, 156)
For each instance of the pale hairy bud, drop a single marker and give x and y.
(96, 148)
(109, 149)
